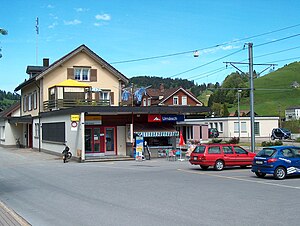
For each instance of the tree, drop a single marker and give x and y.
(3, 31)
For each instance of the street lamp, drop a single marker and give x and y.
(239, 121)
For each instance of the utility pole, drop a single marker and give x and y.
(250, 64)
(250, 51)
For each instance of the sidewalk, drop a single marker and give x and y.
(8, 217)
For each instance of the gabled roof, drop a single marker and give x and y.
(82, 48)
(8, 112)
(168, 93)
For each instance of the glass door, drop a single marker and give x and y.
(92, 140)
(110, 140)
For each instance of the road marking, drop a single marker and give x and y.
(240, 179)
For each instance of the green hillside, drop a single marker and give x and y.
(273, 92)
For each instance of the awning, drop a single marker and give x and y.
(159, 130)
(71, 83)
(22, 119)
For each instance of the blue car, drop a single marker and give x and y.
(277, 160)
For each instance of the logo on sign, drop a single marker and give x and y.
(154, 118)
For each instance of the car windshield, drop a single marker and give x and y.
(266, 152)
(199, 149)
(285, 130)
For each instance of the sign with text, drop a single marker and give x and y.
(172, 118)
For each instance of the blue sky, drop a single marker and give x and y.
(121, 30)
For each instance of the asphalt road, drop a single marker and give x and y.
(44, 191)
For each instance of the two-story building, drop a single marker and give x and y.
(77, 100)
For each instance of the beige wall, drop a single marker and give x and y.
(105, 79)
(26, 91)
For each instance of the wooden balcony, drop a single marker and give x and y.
(68, 103)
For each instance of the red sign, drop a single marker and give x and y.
(154, 118)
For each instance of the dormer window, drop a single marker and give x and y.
(82, 74)
(175, 100)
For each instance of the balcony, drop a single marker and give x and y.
(57, 104)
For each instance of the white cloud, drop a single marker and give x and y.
(72, 22)
(97, 24)
(104, 16)
(81, 9)
(50, 6)
(54, 24)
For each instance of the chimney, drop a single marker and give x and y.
(46, 62)
(161, 88)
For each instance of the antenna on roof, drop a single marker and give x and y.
(37, 34)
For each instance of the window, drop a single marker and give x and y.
(2, 132)
(54, 132)
(239, 150)
(243, 127)
(189, 133)
(36, 130)
(149, 101)
(287, 153)
(227, 150)
(29, 102)
(104, 95)
(144, 102)
(82, 74)
(214, 150)
(34, 100)
(236, 127)
(221, 126)
(175, 100)
(184, 100)
(24, 103)
(256, 128)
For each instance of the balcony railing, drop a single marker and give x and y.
(68, 103)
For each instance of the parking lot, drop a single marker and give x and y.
(45, 191)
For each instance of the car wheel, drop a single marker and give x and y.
(272, 137)
(280, 173)
(260, 175)
(204, 167)
(219, 165)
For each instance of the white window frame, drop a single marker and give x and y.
(2, 132)
(220, 126)
(236, 127)
(24, 103)
(184, 100)
(79, 74)
(243, 127)
(36, 130)
(35, 100)
(29, 102)
(175, 100)
(149, 101)
(105, 95)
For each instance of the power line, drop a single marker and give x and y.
(207, 63)
(294, 58)
(201, 49)
(277, 40)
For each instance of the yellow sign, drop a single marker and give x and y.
(75, 118)
(93, 117)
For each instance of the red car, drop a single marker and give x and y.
(221, 155)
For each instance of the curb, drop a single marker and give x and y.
(11, 216)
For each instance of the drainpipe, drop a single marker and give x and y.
(82, 127)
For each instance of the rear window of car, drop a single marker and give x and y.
(266, 152)
(199, 149)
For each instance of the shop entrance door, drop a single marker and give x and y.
(110, 140)
(92, 140)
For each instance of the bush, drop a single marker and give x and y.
(234, 140)
(270, 143)
(216, 140)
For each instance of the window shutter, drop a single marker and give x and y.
(112, 98)
(70, 73)
(93, 75)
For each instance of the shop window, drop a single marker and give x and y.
(54, 132)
